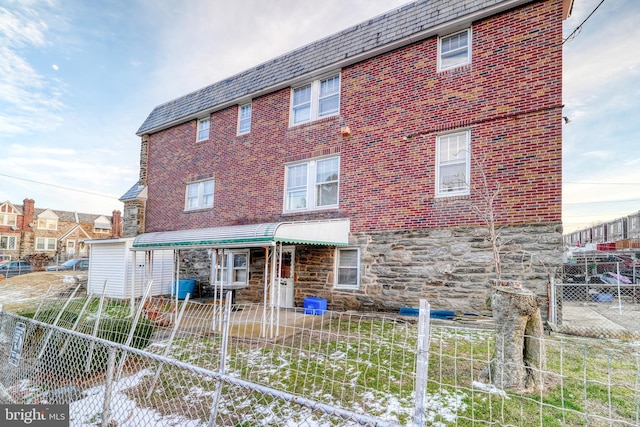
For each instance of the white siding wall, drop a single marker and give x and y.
(108, 262)
(115, 263)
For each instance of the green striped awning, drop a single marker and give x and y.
(330, 232)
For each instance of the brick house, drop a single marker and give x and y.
(25, 230)
(352, 168)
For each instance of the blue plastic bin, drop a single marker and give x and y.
(602, 297)
(183, 287)
(315, 306)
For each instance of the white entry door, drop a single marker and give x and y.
(286, 276)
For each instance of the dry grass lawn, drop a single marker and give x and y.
(23, 293)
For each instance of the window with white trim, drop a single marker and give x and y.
(453, 164)
(320, 98)
(8, 242)
(313, 184)
(199, 195)
(8, 219)
(244, 119)
(203, 129)
(454, 50)
(47, 224)
(45, 244)
(232, 267)
(348, 268)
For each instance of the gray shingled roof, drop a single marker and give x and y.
(133, 192)
(406, 24)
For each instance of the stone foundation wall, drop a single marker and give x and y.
(452, 268)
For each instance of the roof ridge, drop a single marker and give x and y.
(386, 29)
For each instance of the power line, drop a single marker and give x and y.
(579, 27)
(59, 186)
(602, 201)
(601, 183)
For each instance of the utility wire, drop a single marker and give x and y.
(601, 183)
(601, 201)
(59, 186)
(579, 27)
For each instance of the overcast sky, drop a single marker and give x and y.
(77, 78)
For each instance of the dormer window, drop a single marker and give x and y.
(454, 50)
(203, 129)
(102, 225)
(8, 215)
(244, 119)
(47, 220)
(317, 99)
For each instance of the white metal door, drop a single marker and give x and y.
(286, 277)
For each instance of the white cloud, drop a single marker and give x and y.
(34, 101)
(198, 46)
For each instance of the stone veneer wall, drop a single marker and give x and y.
(133, 218)
(452, 268)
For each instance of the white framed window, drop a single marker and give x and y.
(454, 50)
(232, 268)
(47, 224)
(45, 244)
(199, 195)
(244, 119)
(453, 164)
(8, 219)
(8, 242)
(347, 268)
(203, 129)
(313, 184)
(320, 98)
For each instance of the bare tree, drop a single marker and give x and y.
(485, 206)
(519, 357)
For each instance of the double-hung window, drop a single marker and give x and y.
(45, 244)
(8, 219)
(244, 119)
(232, 268)
(47, 224)
(203, 129)
(8, 242)
(453, 164)
(348, 268)
(454, 50)
(312, 184)
(320, 98)
(199, 195)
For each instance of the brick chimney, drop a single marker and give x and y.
(28, 211)
(116, 224)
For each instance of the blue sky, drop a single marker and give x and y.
(77, 78)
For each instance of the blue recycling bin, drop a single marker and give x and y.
(183, 287)
(315, 306)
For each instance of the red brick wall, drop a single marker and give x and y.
(395, 104)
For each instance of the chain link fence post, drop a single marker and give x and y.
(422, 363)
(106, 405)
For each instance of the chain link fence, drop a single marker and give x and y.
(185, 363)
(597, 299)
